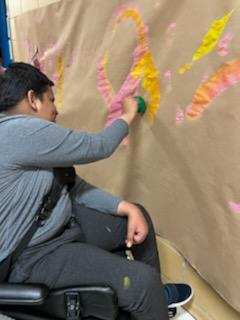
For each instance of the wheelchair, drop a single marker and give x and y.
(38, 302)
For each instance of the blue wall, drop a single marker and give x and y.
(4, 38)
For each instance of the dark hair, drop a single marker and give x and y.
(17, 80)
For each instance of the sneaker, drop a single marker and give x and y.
(177, 294)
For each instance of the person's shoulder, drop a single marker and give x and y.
(24, 124)
(21, 119)
(28, 119)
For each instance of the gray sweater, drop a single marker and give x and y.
(30, 148)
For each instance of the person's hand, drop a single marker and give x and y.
(130, 108)
(137, 228)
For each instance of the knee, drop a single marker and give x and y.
(149, 278)
(145, 284)
(143, 278)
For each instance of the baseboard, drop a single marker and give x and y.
(207, 304)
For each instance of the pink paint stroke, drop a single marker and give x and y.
(224, 43)
(168, 79)
(168, 75)
(55, 77)
(235, 207)
(170, 34)
(43, 56)
(180, 116)
(171, 27)
(35, 60)
(114, 101)
(205, 77)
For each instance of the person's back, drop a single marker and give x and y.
(22, 187)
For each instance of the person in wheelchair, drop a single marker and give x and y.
(76, 243)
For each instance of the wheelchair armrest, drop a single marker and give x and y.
(22, 294)
(100, 289)
(96, 299)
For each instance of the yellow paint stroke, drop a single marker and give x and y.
(59, 82)
(209, 41)
(144, 68)
(131, 13)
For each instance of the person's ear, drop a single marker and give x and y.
(32, 100)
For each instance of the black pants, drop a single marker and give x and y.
(90, 260)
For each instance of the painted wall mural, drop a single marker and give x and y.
(183, 155)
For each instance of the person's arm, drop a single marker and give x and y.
(84, 193)
(92, 197)
(40, 143)
(137, 227)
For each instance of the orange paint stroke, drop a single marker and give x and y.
(226, 76)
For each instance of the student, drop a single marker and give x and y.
(72, 247)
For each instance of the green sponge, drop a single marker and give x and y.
(142, 106)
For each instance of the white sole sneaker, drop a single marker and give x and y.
(181, 303)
